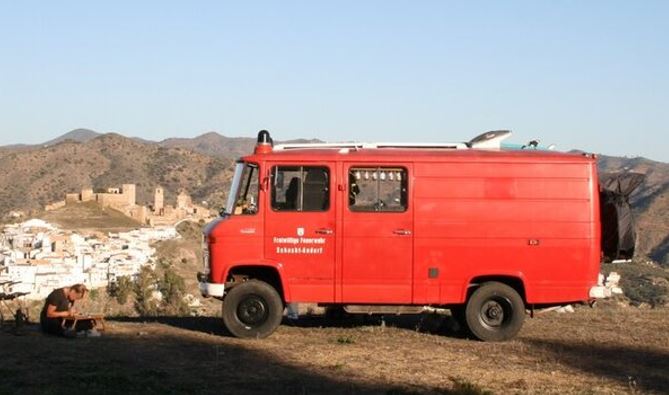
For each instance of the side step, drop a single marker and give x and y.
(382, 309)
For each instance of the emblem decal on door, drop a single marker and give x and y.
(300, 244)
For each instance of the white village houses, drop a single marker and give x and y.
(39, 257)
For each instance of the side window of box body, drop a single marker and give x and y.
(378, 189)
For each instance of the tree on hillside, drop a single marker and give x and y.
(121, 289)
(145, 285)
(173, 289)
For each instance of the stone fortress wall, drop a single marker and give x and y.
(124, 200)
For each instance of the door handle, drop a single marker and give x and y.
(324, 231)
(402, 232)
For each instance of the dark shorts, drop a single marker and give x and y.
(54, 326)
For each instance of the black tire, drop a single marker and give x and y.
(252, 309)
(494, 312)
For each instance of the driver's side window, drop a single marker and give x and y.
(300, 188)
(380, 189)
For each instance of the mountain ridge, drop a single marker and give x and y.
(208, 143)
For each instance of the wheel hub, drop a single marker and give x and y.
(492, 313)
(252, 311)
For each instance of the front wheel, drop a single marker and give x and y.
(495, 312)
(252, 309)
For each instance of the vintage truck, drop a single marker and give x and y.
(486, 232)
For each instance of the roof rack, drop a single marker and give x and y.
(488, 140)
(283, 147)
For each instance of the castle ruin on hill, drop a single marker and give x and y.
(124, 200)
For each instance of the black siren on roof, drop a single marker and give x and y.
(265, 138)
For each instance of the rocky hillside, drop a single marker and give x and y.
(79, 135)
(650, 202)
(216, 145)
(213, 144)
(32, 177)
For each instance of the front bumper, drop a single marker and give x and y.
(208, 289)
(212, 289)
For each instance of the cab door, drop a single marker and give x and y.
(377, 234)
(300, 229)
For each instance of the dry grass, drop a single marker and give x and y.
(90, 216)
(608, 349)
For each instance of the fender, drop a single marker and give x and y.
(511, 274)
(278, 266)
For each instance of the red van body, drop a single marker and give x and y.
(525, 218)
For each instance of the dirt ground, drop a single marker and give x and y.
(608, 349)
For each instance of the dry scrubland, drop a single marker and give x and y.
(35, 176)
(608, 349)
(87, 217)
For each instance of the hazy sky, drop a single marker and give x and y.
(581, 74)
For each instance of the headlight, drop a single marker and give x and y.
(205, 256)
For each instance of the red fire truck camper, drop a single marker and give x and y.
(484, 232)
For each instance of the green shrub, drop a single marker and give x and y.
(642, 282)
(644, 289)
(173, 289)
(145, 284)
(121, 289)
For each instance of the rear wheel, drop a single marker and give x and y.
(252, 309)
(494, 312)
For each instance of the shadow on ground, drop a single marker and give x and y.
(208, 325)
(162, 360)
(435, 324)
(424, 323)
(639, 369)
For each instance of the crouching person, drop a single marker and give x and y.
(60, 304)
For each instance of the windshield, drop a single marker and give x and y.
(243, 197)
